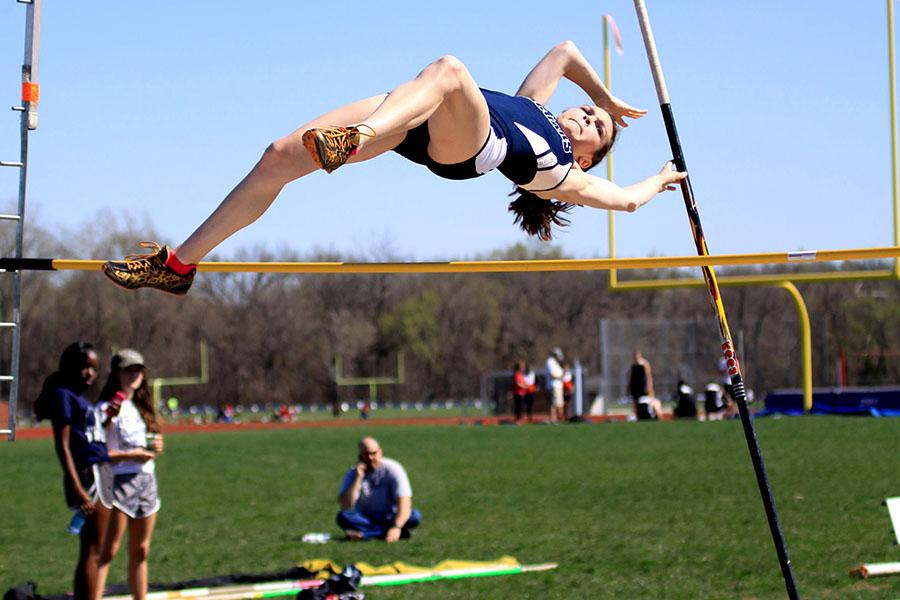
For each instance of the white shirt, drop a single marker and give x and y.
(128, 431)
(555, 371)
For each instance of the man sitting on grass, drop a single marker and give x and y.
(376, 498)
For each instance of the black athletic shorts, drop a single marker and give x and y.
(415, 148)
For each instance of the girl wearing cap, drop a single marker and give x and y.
(79, 442)
(134, 441)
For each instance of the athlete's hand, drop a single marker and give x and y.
(141, 454)
(669, 176)
(85, 503)
(619, 109)
(392, 535)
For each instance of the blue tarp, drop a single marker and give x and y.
(878, 402)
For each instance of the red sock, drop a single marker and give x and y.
(176, 265)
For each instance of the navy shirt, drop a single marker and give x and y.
(525, 143)
(87, 440)
(538, 153)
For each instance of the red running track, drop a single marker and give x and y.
(39, 433)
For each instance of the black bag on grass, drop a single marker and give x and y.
(26, 591)
(343, 585)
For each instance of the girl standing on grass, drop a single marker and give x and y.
(134, 441)
(79, 441)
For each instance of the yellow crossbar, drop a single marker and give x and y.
(513, 266)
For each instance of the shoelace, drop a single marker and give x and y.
(341, 135)
(152, 246)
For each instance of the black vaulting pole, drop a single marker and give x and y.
(734, 370)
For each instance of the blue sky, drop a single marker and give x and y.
(159, 108)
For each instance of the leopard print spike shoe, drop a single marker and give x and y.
(148, 270)
(331, 147)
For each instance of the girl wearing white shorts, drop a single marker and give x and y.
(134, 441)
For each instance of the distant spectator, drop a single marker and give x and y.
(714, 402)
(519, 389)
(172, 404)
(555, 385)
(649, 408)
(225, 414)
(568, 389)
(134, 441)
(731, 409)
(376, 498)
(80, 445)
(685, 408)
(531, 390)
(640, 381)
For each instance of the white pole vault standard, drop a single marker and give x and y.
(728, 350)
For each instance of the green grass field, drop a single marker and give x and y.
(628, 510)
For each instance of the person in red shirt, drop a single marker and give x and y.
(520, 389)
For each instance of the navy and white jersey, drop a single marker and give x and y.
(525, 143)
(533, 151)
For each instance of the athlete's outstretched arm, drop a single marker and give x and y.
(566, 60)
(586, 190)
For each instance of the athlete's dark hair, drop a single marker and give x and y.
(537, 216)
(68, 375)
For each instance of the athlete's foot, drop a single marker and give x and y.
(353, 535)
(331, 147)
(149, 270)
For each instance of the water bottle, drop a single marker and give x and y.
(149, 441)
(77, 522)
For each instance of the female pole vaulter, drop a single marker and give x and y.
(444, 121)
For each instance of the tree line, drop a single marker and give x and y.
(274, 337)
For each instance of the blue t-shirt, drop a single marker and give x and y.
(87, 440)
(379, 490)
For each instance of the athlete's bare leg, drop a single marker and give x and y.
(139, 533)
(445, 95)
(283, 161)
